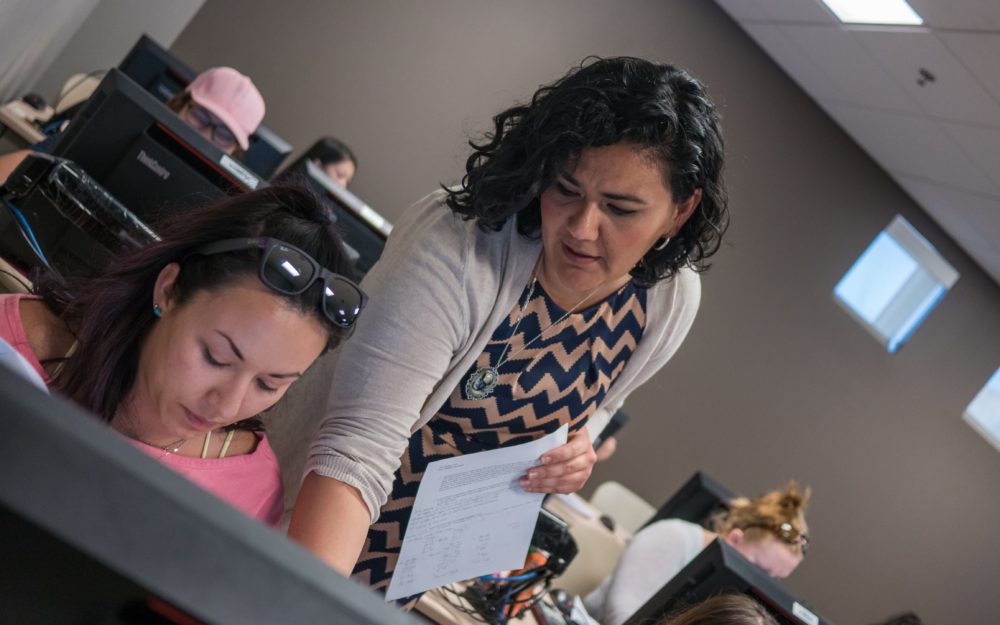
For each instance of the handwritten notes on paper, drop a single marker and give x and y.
(470, 518)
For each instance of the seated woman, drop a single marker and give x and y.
(335, 159)
(182, 345)
(770, 531)
(222, 104)
(724, 610)
(331, 155)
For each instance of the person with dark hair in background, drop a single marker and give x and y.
(728, 609)
(181, 345)
(335, 158)
(556, 279)
(770, 531)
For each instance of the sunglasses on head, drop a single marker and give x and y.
(290, 271)
(786, 532)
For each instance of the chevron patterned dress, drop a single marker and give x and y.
(559, 378)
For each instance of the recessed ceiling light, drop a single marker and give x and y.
(874, 12)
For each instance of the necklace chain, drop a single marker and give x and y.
(483, 380)
(169, 448)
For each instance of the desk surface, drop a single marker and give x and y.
(15, 115)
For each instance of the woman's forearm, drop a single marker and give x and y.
(331, 520)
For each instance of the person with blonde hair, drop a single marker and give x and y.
(770, 531)
(731, 609)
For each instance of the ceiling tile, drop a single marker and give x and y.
(793, 59)
(857, 77)
(969, 218)
(959, 14)
(980, 53)
(954, 93)
(808, 11)
(909, 145)
(981, 144)
(742, 10)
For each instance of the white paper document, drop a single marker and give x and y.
(470, 518)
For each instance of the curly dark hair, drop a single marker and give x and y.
(662, 110)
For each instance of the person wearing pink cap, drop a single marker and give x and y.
(224, 106)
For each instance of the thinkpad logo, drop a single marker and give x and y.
(153, 165)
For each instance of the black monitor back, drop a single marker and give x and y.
(697, 501)
(155, 69)
(164, 75)
(721, 569)
(364, 230)
(145, 155)
(95, 531)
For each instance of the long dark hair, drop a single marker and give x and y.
(727, 609)
(660, 109)
(111, 313)
(330, 150)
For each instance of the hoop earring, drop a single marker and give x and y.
(157, 311)
(660, 246)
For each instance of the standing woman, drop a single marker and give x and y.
(555, 280)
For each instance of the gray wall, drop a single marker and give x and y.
(109, 32)
(32, 34)
(775, 381)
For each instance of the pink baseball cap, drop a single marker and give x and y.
(232, 97)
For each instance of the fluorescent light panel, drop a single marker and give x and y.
(896, 12)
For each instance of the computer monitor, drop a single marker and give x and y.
(95, 531)
(721, 569)
(164, 75)
(364, 230)
(144, 155)
(156, 70)
(697, 501)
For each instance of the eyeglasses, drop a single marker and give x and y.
(288, 270)
(786, 532)
(221, 135)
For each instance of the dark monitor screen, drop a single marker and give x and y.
(95, 531)
(164, 75)
(137, 150)
(721, 569)
(364, 230)
(145, 155)
(155, 69)
(697, 501)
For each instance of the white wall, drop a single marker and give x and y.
(32, 33)
(107, 34)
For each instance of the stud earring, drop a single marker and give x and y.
(157, 311)
(659, 246)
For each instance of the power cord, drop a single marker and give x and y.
(29, 235)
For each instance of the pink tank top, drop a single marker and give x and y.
(250, 482)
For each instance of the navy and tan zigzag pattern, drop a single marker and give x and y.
(561, 377)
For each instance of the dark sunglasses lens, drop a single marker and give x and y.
(287, 270)
(223, 136)
(341, 302)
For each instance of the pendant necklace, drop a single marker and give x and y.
(483, 380)
(169, 448)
